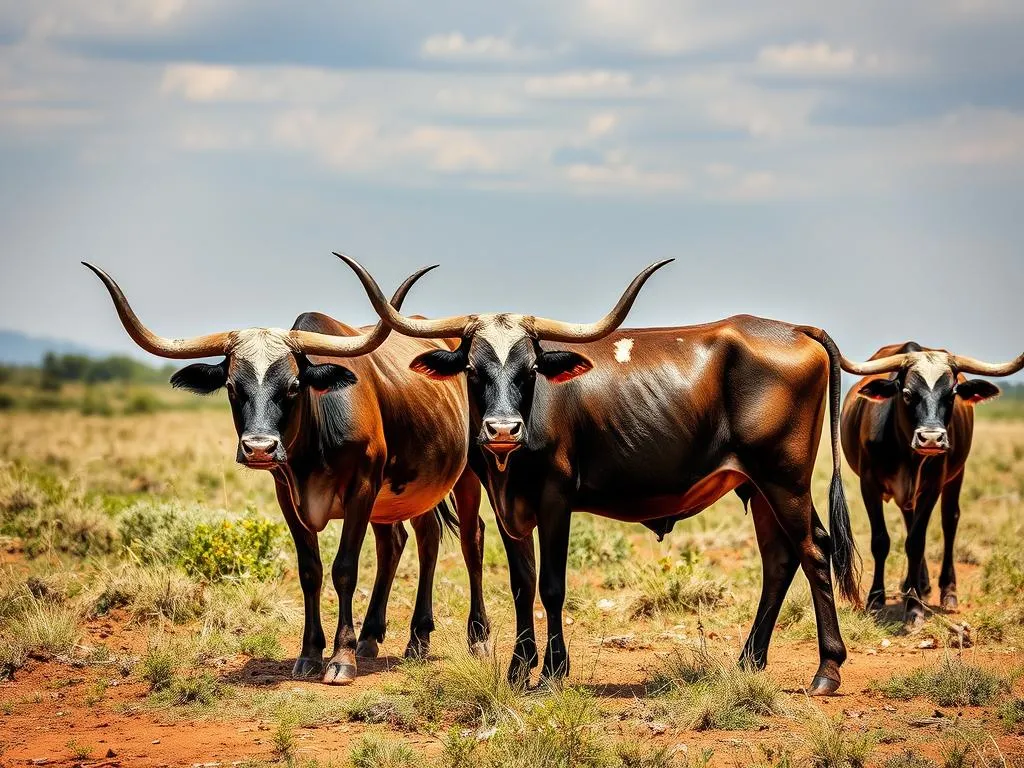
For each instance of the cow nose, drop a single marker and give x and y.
(503, 430)
(259, 447)
(931, 439)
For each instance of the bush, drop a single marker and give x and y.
(950, 683)
(683, 586)
(155, 533)
(833, 746)
(46, 630)
(152, 593)
(594, 544)
(373, 752)
(700, 692)
(233, 550)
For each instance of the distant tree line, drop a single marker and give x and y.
(56, 370)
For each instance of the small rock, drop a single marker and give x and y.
(486, 733)
(539, 614)
(155, 741)
(569, 621)
(886, 643)
(111, 753)
(41, 761)
(928, 643)
(870, 652)
(604, 604)
(657, 727)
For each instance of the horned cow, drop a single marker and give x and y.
(348, 432)
(906, 431)
(648, 425)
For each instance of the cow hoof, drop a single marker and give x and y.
(417, 648)
(876, 602)
(482, 649)
(367, 649)
(822, 686)
(950, 603)
(307, 667)
(913, 622)
(339, 674)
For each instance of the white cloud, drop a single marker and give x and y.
(616, 173)
(602, 123)
(199, 82)
(456, 47)
(588, 83)
(452, 150)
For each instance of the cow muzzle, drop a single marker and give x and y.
(930, 441)
(501, 438)
(260, 451)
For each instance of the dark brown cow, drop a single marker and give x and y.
(650, 425)
(367, 441)
(906, 431)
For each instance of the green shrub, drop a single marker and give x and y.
(1003, 574)
(262, 645)
(151, 593)
(159, 665)
(595, 544)
(155, 533)
(1011, 712)
(833, 745)
(46, 630)
(233, 550)
(950, 683)
(143, 401)
(376, 707)
(682, 586)
(373, 752)
(199, 689)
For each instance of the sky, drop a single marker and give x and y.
(856, 166)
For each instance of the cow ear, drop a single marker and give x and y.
(201, 378)
(878, 390)
(559, 366)
(327, 377)
(976, 391)
(439, 363)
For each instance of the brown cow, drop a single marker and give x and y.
(906, 431)
(649, 425)
(367, 441)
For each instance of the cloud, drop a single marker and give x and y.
(199, 82)
(583, 84)
(455, 46)
(602, 123)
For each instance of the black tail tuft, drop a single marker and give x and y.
(445, 514)
(845, 559)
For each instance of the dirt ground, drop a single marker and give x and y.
(64, 711)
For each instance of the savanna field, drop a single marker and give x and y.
(150, 613)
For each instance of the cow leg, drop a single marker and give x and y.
(471, 536)
(914, 607)
(341, 669)
(923, 584)
(779, 562)
(390, 540)
(796, 513)
(310, 662)
(880, 541)
(950, 521)
(428, 542)
(553, 536)
(522, 577)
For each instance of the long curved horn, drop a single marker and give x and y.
(178, 349)
(579, 333)
(980, 368)
(442, 328)
(311, 343)
(870, 367)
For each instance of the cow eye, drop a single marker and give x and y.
(908, 394)
(293, 388)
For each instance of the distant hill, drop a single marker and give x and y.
(17, 348)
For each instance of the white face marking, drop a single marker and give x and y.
(623, 348)
(501, 334)
(931, 366)
(261, 347)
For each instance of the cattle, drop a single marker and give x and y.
(648, 425)
(906, 432)
(348, 432)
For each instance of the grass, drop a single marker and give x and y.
(149, 594)
(832, 745)
(683, 586)
(373, 752)
(950, 683)
(44, 631)
(699, 692)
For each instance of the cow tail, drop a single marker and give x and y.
(446, 516)
(845, 559)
